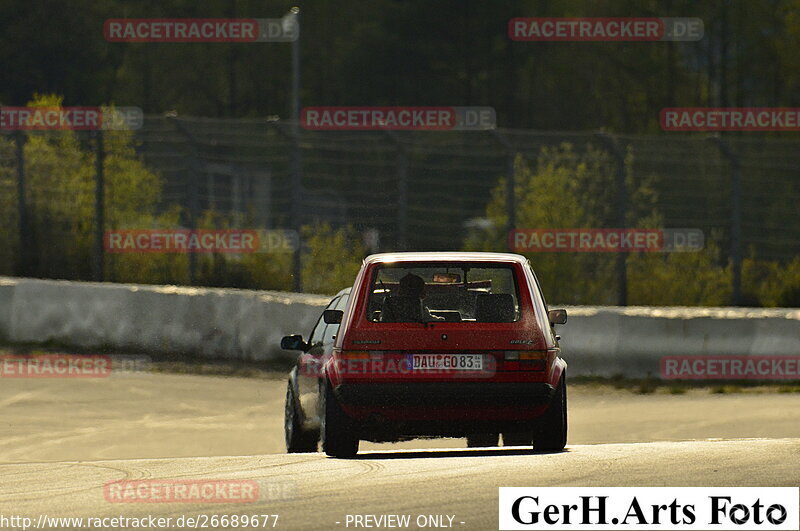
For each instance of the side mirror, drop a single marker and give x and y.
(294, 342)
(557, 316)
(332, 316)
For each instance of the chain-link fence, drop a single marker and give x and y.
(399, 190)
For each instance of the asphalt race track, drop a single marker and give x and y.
(309, 491)
(64, 440)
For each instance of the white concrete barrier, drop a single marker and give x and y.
(241, 324)
(630, 341)
(209, 322)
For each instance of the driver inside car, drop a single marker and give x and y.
(407, 305)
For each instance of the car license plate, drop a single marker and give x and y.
(445, 362)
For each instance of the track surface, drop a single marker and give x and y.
(63, 439)
(462, 483)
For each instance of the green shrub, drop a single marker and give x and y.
(568, 189)
(331, 258)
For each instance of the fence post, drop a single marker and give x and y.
(193, 217)
(23, 227)
(402, 190)
(193, 174)
(99, 209)
(621, 210)
(296, 209)
(511, 183)
(296, 197)
(402, 197)
(297, 165)
(736, 217)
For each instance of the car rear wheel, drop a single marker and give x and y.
(297, 440)
(550, 434)
(482, 440)
(518, 438)
(337, 430)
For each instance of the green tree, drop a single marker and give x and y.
(60, 169)
(568, 189)
(332, 258)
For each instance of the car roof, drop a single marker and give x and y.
(345, 291)
(449, 256)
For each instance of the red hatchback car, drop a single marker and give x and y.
(443, 345)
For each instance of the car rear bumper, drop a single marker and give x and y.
(444, 394)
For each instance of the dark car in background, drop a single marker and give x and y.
(301, 412)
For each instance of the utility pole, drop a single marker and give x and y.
(296, 164)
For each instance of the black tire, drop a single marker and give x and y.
(482, 440)
(297, 440)
(517, 438)
(337, 430)
(550, 433)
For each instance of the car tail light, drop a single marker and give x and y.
(355, 355)
(524, 360)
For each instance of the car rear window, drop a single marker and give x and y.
(449, 292)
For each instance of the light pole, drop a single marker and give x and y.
(293, 17)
